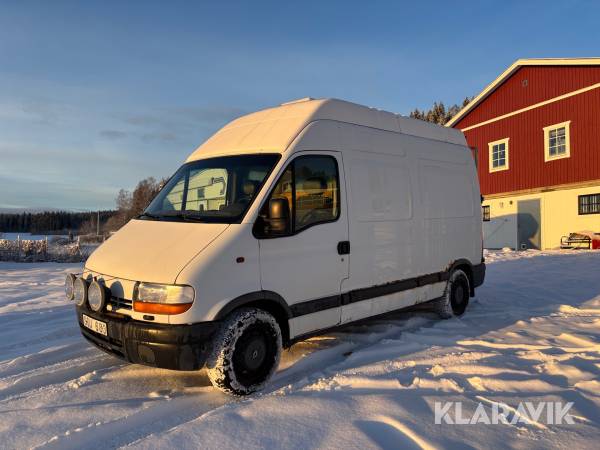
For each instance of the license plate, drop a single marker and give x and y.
(95, 325)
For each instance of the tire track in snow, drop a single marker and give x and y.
(390, 433)
(186, 407)
(153, 419)
(357, 339)
(303, 371)
(33, 361)
(46, 378)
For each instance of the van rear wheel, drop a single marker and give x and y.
(456, 296)
(246, 351)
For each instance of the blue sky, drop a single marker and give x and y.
(95, 96)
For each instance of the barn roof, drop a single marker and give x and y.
(512, 69)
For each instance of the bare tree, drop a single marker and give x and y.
(143, 194)
(123, 200)
(132, 204)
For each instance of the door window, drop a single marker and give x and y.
(310, 189)
(317, 198)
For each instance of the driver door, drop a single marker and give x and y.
(303, 263)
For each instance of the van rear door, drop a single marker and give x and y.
(304, 265)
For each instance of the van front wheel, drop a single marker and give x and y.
(246, 351)
(456, 296)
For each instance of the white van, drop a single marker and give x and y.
(285, 223)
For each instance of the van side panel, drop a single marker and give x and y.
(381, 230)
(412, 205)
(449, 223)
(447, 201)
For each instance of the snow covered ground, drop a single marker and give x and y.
(531, 334)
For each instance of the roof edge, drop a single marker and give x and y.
(591, 61)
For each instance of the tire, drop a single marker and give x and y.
(456, 296)
(246, 351)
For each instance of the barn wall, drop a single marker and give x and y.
(530, 85)
(558, 183)
(527, 166)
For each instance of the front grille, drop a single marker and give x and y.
(120, 303)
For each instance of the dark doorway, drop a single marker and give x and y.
(529, 224)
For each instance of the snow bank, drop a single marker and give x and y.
(531, 334)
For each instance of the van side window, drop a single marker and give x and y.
(308, 190)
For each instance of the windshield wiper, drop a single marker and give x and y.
(183, 216)
(148, 215)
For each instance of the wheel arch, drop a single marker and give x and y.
(268, 301)
(467, 267)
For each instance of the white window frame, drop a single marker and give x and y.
(547, 130)
(491, 153)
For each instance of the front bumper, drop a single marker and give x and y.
(175, 347)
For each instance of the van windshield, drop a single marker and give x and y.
(212, 190)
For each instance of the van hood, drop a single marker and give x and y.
(152, 251)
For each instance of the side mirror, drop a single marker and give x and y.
(279, 216)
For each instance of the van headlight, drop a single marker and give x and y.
(156, 298)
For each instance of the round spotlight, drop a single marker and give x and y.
(96, 296)
(80, 291)
(69, 282)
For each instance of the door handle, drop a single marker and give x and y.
(343, 248)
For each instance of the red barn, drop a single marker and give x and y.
(535, 135)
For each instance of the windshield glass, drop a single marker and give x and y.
(212, 190)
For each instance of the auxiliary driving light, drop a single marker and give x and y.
(80, 291)
(97, 296)
(69, 282)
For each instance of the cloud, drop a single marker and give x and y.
(211, 114)
(144, 120)
(160, 136)
(175, 124)
(164, 137)
(113, 134)
(170, 119)
(87, 155)
(37, 112)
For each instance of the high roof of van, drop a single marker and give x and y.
(273, 130)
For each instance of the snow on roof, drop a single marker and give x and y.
(274, 129)
(512, 69)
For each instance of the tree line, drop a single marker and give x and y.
(52, 222)
(129, 205)
(438, 113)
